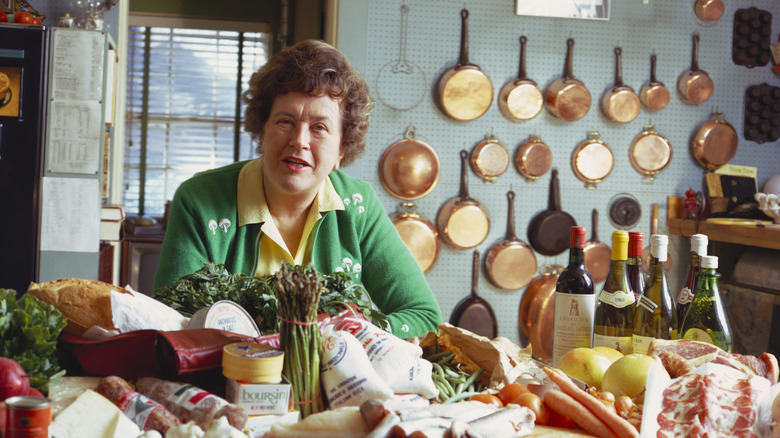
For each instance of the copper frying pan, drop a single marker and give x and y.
(548, 231)
(695, 85)
(654, 94)
(650, 153)
(620, 103)
(409, 169)
(489, 158)
(419, 234)
(465, 91)
(510, 264)
(567, 97)
(597, 253)
(715, 143)
(463, 221)
(473, 313)
(536, 317)
(533, 158)
(520, 99)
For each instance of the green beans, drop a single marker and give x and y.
(453, 383)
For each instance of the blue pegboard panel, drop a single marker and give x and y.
(432, 44)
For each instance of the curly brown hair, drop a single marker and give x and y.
(312, 67)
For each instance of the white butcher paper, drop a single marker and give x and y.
(137, 311)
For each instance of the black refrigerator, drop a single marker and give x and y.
(23, 89)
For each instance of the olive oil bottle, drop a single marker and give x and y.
(614, 322)
(655, 316)
(706, 319)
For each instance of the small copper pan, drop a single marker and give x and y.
(510, 264)
(597, 253)
(620, 103)
(567, 97)
(474, 313)
(708, 11)
(489, 158)
(695, 85)
(654, 94)
(463, 221)
(419, 234)
(536, 316)
(650, 153)
(533, 158)
(715, 143)
(520, 99)
(409, 169)
(592, 160)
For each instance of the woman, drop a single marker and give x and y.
(309, 110)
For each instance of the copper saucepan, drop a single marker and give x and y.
(463, 221)
(474, 313)
(654, 94)
(510, 264)
(567, 97)
(695, 85)
(409, 169)
(715, 143)
(620, 103)
(533, 158)
(489, 158)
(650, 153)
(520, 99)
(419, 234)
(465, 91)
(536, 317)
(597, 253)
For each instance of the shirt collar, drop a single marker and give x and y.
(252, 206)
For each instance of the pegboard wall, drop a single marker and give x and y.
(432, 45)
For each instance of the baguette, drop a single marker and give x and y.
(84, 303)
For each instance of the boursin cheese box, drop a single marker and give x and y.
(260, 398)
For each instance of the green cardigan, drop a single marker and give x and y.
(359, 240)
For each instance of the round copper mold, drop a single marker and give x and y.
(592, 161)
(409, 168)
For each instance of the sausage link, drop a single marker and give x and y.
(144, 412)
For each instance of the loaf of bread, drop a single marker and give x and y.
(85, 303)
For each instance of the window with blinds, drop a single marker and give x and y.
(184, 112)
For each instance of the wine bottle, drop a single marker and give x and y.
(684, 298)
(634, 270)
(655, 316)
(706, 319)
(614, 322)
(575, 302)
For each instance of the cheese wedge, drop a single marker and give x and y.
(93, 416)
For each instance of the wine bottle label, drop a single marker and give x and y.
(574, 315)
(647, 303)
(619, 298)
(686, 296)
(642, 343)
(623, 344)
(718, 339)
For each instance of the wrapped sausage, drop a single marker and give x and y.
(191, 403)
(147, 414)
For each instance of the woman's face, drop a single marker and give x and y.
(301, 144)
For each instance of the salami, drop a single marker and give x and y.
(147, 414)
(191, 403)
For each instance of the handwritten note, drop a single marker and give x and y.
(70, 216)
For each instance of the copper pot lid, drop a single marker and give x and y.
(715, 144)
(592, 160)
(650, 153)
(489, 158)
(409, 168)
(533, 158)
(419, 235)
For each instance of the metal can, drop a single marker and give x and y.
(28, 417)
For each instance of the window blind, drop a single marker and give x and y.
(184, 113)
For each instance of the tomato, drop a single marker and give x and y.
(534, 403)
(489, 399)
(37, 21)
(511, 391)
(3, 17)
(557, 420)
(23, 17)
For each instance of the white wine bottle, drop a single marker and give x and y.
(655, 316)
(575, 303)
(706, 319)
(613, 325)
(684, 298)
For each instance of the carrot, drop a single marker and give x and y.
(567, 406)
(618, 424)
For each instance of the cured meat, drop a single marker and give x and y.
(675, 364)
(145, 413)
(709, 405)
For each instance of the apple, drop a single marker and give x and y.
(13, 379)
(586, 364)
(628, 376)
